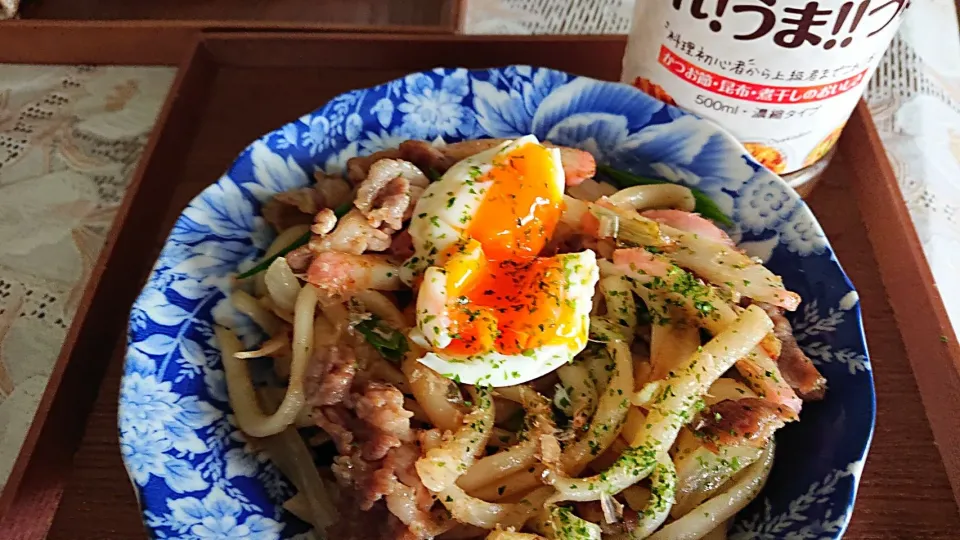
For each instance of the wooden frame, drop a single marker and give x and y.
(255, 14)
(924, 324)
(46, 465)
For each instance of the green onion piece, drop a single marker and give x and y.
(264, 264)
(342, 210)
(705, 205)
(339, 211)
(432, 174)
(390, 342)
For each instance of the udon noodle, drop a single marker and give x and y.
(644, 404)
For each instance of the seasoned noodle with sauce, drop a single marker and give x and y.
(497, 344)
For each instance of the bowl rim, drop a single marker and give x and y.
(855, 311)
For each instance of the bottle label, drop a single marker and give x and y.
(782, 75)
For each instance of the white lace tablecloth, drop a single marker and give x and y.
(70, 138)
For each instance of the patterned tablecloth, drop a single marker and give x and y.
(70, 138)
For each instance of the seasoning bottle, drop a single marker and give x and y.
(783, 76)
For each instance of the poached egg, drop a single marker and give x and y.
(490, 309)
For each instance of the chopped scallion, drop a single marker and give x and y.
(706, 207)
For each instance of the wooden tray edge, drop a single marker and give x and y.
(861, 159)
(933, 350)
(458, 15)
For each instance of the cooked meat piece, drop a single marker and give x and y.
(345, 273)
(399, 531)
(402, 245)
(387, 169)
(455, 152)
(380, 406)
(356, 523)
(391, 205)
(373, 436)
(797, 369)
(324, 222)
(336, 421)
(578, 165)
(393, 477)
(305, 199)
(750, 420)
(426, 156)
(296, 207)
(334, 189)
(330, 375)
(691, 223)
(353, 234)
(299, 259)
(368, 480)
(389, 191)
(373, 421)
(402, 461)
(358, 167)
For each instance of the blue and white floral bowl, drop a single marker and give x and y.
(180, 444)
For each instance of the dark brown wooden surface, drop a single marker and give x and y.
(930, 340)
(69, 42)
(440, 13)
(905, 491)
(162, 32)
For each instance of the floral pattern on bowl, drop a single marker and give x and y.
(179, 442)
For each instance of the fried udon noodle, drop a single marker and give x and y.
(495, 344)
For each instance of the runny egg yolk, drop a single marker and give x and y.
(511, 307)
(522, 206)
(503, 297)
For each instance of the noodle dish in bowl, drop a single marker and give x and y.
(510, 303)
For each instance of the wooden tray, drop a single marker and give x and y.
(274, 78)
(259, 12)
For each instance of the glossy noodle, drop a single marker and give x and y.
(511, 350)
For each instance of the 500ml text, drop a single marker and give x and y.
(716, 104)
